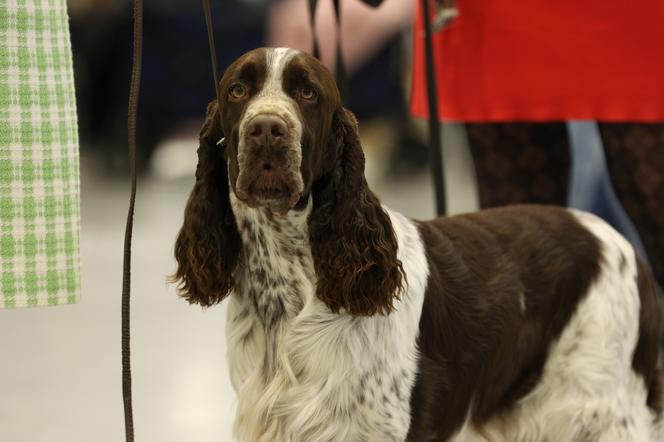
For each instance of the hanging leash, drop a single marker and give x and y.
(134, 91)
(315, 50)
(126, 266)
(339, 67)
(435, 132)
(213, 55)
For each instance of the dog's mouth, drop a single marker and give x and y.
(269, 185)
(277, 191)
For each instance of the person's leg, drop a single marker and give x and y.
(635, 158)
(520, 162)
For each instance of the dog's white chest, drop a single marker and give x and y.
(315, 378)
(302, 372)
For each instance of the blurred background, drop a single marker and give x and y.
(60, 369)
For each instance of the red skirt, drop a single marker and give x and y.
(542, 60)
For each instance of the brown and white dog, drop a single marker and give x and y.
(350, 322)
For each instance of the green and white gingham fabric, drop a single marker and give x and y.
(39, 168)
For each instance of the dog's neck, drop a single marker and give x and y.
(257, 225)
(276, 269)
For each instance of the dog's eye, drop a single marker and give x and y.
(308, 94)
(237, 91)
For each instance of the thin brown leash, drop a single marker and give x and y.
(126, 266)
(435, 137)
(340, 68)
(315, 50)
(134, 91)
(213, 52)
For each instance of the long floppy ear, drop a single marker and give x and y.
(208, 244)
(352, 240)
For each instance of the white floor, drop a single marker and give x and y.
(60, 367)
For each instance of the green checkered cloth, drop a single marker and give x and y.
(39, 172)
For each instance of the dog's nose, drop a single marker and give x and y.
(266, 130)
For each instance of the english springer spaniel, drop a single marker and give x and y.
(350, 322)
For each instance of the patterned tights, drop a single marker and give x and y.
(530, 163)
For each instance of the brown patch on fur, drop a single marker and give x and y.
(645, 355)
(656, 394)
(352, 240)
(476, 343)
(208, 244)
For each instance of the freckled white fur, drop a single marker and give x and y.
(334, 377)
(588, 390)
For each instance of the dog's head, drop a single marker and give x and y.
(287, 138)
(277, 108)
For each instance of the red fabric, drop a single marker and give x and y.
(544, 60)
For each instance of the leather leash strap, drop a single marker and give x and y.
(134, 91)
(435, 137)
(340, 68)
(312, 21)
(213, 51)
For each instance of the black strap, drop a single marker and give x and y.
(340, 67)
(134, 91)
(213, 51)
(435, 132)
(315, 50)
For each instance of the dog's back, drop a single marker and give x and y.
(537, 322)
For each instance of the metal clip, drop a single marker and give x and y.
(222, 142)
(444, 16)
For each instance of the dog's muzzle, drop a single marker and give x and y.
(269, 159)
